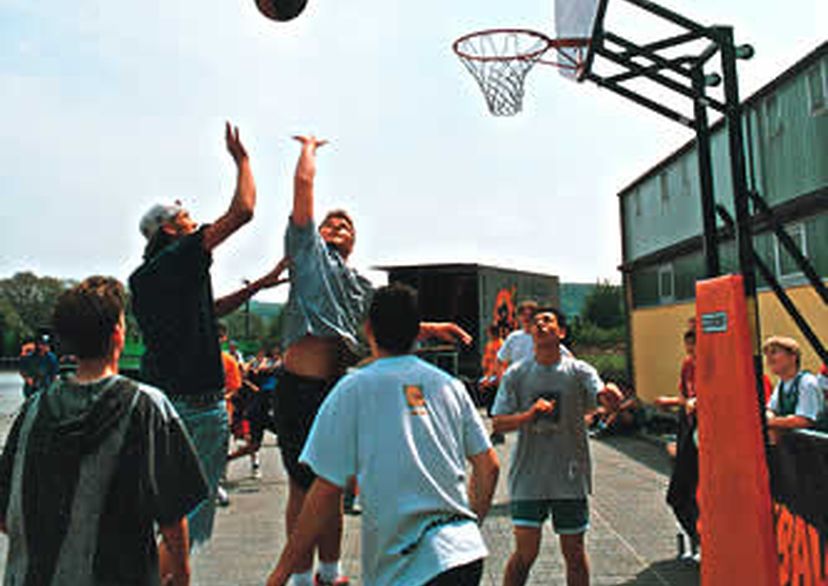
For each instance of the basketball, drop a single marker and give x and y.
(281, 10)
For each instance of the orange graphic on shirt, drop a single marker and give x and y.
(415, 398)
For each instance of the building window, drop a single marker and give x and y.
(684, 169)
(817, 89)
(637, 203)
(785, 265)
(666, 284)
(664, 190)
(773, 116)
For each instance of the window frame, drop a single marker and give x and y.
(778, 249)
(772, 110)
(667, 269)
(820, 70)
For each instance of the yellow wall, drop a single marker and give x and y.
(657, 347)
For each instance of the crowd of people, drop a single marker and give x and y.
(105, 480)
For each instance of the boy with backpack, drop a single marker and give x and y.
(797, 401)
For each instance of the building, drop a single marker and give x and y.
(786, 143)
(482, 299)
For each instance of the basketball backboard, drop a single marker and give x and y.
(577, 21)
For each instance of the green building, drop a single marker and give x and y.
(786, 141)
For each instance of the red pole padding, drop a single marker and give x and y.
(737, 535)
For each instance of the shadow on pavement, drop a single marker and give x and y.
(672, 572)
(647, 453)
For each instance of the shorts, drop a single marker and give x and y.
(569, 516)
(206, 422)
(466, 575)
(296, 402)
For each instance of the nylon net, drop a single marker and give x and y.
(500, 60)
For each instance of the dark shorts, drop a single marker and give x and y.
(569, 516)
(467, 575)
(297, 400)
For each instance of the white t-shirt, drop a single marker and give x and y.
(405, 429)
(810, 401)
(519, 345)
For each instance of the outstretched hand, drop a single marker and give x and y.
(310, 142)
(234, 143)
(446, 331)
(274, 278)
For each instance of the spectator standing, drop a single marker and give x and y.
(39, 367)
(797, 401)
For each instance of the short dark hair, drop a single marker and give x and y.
(528, 304)
(86, 315)
(221, 328)
(395, 318)
(690, 336)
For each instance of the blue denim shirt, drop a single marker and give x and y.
(327, 298)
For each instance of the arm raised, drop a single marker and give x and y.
(231, 302)
(241, 207)
(303, 180)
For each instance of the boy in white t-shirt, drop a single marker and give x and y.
(405, 429)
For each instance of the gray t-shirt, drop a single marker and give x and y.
(327, 298)
(551, 459)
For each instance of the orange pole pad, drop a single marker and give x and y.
(737, 535)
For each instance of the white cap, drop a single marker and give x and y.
(157, 216)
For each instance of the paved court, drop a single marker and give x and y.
(632, 540)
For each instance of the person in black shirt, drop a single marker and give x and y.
(172, 299)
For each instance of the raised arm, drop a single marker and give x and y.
(303, 180)
(446, 331)
(241, 207)
(231, 302)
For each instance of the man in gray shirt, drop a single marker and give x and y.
(545, 400)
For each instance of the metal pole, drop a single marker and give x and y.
(711, 246)
(741, 199)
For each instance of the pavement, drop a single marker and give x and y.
(631, 541)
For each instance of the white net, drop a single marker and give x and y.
(499, 60)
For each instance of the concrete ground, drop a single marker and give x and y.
(632, 540)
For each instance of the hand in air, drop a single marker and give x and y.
(234, 144)
(311, 142)
(274, 278)
(450, 332)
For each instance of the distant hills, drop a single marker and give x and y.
(267, 311)
(573, 297)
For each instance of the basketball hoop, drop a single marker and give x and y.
(500, 59)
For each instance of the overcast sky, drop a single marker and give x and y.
(109, 107)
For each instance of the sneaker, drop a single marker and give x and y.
(340, 581)
(255, 471)
(222, 498)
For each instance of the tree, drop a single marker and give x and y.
(27, 302)
(604, 306)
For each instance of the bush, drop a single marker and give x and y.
(587, 334)
(604, 306)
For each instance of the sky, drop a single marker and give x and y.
(110, 107)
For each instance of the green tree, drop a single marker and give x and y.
(27, 302)
(604, 306)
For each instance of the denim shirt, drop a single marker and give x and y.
(327, 298)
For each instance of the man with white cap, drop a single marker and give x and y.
(172, 299)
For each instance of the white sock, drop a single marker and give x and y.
(329, 571)
(304, 579)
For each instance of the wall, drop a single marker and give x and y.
(657, 348)
(789, 141)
